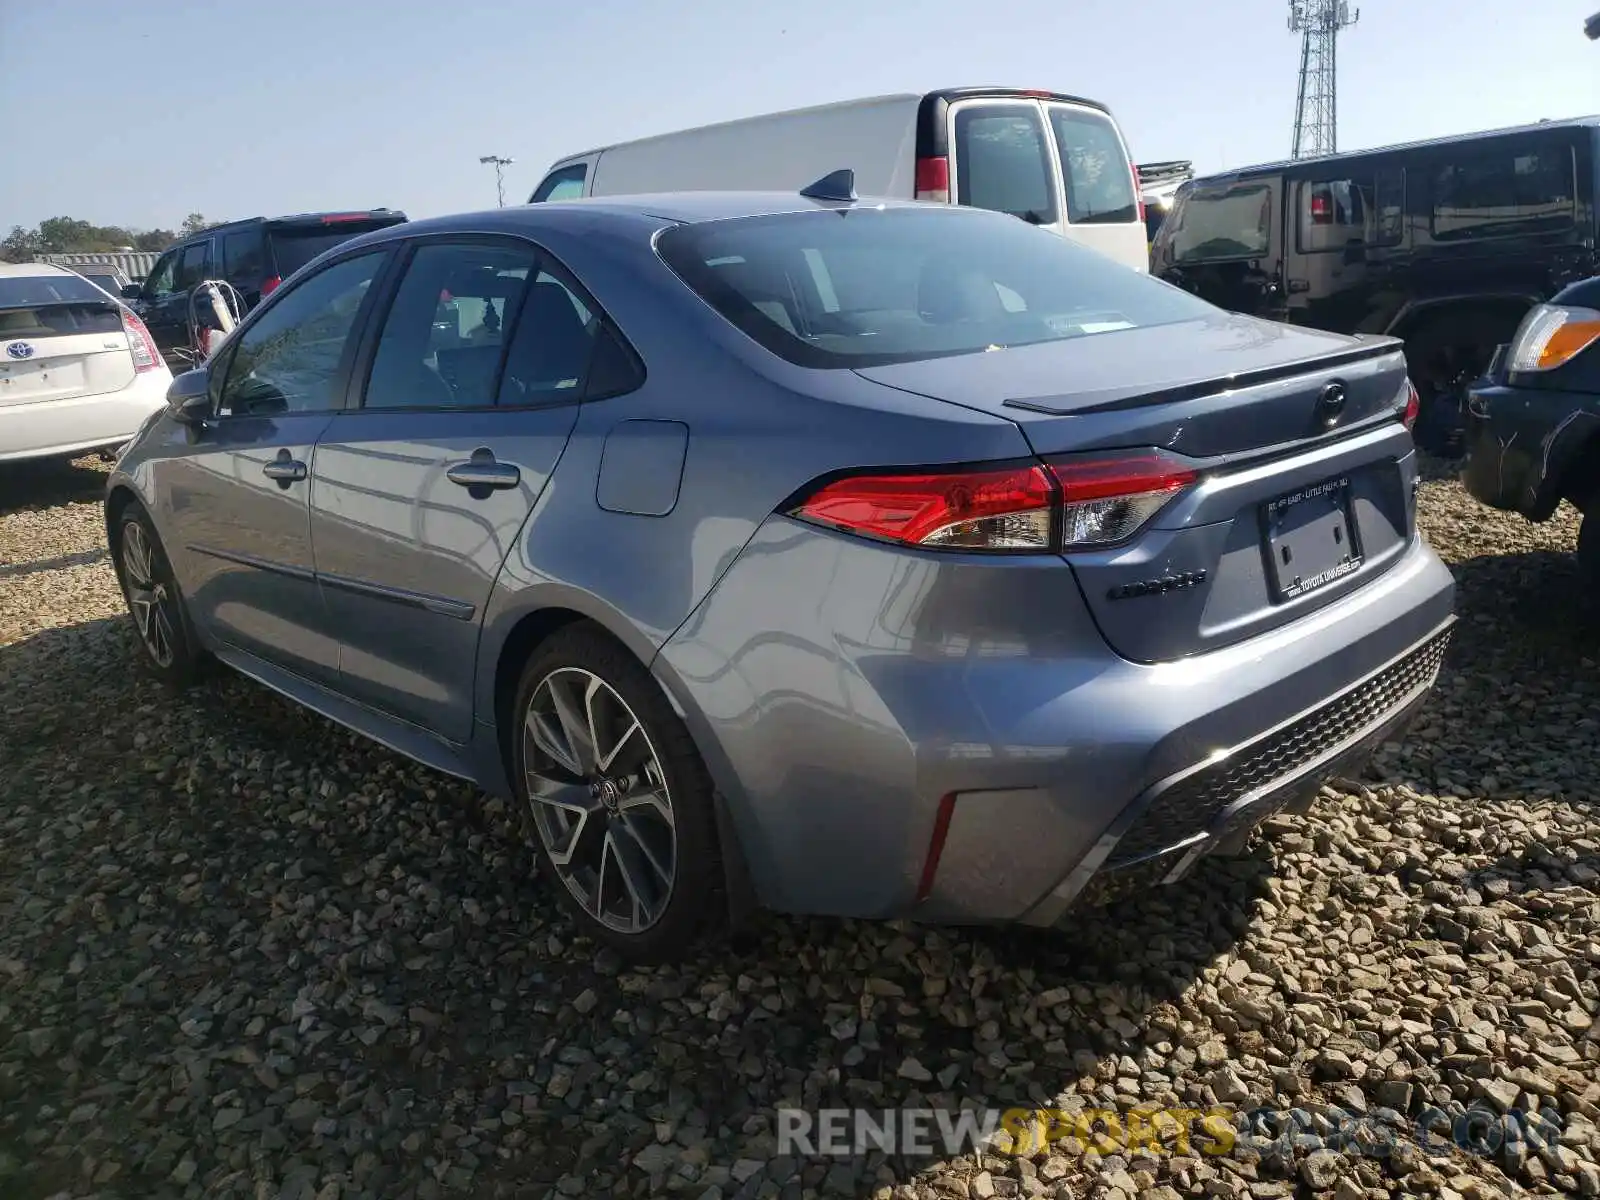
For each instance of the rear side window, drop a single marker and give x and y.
(867, 286)
(1220, 223)
(194, 266)
(1003, 162)
(565, 184)
(1504, 189)
(1334, 213)
(1098, 174)
(242, 255)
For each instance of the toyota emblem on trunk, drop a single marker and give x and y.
(19, 350)
(1330, 404)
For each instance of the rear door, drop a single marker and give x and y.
(1001, 159)
(60, 337)
(1101, 193)
(159, 309)
(244, 260)
(420, 492)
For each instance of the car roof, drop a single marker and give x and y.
(1301, 164)
(32, 270)
(675, 208)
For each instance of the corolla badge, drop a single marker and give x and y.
(19, 350)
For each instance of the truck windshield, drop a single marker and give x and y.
(870, 286)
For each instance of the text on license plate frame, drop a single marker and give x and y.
(1303, 534)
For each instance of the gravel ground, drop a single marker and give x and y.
(245, 953)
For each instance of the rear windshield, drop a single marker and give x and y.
(293, 248)
(26, 291)
(1221, 223)
(1099, 176)
(868, 286)
(41, 306)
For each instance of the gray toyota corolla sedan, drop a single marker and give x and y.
(799, 551)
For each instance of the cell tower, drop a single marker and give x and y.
(1316, 114)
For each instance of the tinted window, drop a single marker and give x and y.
(194, 266)
(293, 248)
(552, 348)
(163, 276)
(106, 283)
(1504, 189)
(1002, 162)
(442, 341)
(288, 360)
(565, 184)
(1098, 174)
(1220, 223)
(868, 286)
(20, 291)
(242, 255)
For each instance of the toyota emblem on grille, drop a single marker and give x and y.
(19, 350)
(1330, 405)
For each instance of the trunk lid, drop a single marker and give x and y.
(1298, 504)
(63, 350)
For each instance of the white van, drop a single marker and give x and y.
(1058, 161)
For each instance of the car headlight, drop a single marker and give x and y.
(1551, 336)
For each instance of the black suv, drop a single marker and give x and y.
(1445, 243)
(254, 255)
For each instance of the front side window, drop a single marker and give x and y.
(1211, 224)
(870, 286)
(1099, 177)
(1003, 162)
(194, 266)
(565, 184)
(289, 359)
(444, 336)
(162, 280)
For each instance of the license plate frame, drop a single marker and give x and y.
(1309, 539)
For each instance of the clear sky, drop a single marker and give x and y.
(140, 111)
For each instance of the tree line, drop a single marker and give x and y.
(68, 235)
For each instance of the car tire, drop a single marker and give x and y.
(161, 625)
(616, 798)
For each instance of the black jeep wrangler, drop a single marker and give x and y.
(1446, 244)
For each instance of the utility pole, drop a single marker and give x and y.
(500, 165)
(1316, 116)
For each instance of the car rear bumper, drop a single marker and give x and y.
(79, 424)
(1519, 441)
(908, 700)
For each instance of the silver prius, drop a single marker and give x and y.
(829, 555)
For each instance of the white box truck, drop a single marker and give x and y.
(1058, 161)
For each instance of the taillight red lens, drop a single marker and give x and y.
(1413, 405)
(1068, 504)
(143, 347)
(1006, 509)
(270, 285)
(1105, 500)
(933, 180)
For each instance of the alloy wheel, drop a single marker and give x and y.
(150, 595)
(599, 799)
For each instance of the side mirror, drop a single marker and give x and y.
(189, 397)
(132, 291)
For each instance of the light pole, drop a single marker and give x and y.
(500, 164)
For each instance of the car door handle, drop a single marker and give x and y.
(481, 471)
(284, 470)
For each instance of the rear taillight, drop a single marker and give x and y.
(1068, 504)
(145, 355)
(1413, 405)
(1105, 500)
(270, 285)
(933, 180)
(1006, 509)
